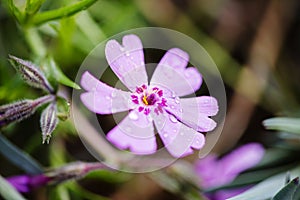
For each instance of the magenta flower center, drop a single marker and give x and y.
(148, 98)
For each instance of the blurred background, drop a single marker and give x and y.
(255, 44)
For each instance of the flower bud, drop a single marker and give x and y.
(48, 121)
(21, 110)
(75, 170)
(31, 74)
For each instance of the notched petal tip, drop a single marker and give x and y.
(132, 42)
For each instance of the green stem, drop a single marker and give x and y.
(15, 11)
(35, 42)
(66, 11)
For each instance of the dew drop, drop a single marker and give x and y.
(165, 135)
(173, 119)
(127, 53)
(181, 110)
(172, 107)
(113, 94)
(177, 100)
(173, 95)
(133, 116)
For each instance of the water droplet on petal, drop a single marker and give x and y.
(113, 94)
(177, 100)
(173, 95)
(173, 119)
(181, 110)
(172, 106)
(133, 116)
(127, 53)
(165, 135)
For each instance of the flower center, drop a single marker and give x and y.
(148, 98)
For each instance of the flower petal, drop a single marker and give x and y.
(21, 183)
(127, 61)
(177, 137)
(234, 163)
(134, 132)
(194, 111)
(171, 73)
(102, 98)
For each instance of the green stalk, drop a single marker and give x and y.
(35, 42)
(66, 11)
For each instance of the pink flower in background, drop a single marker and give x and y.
(214, 172)
(25, 183)
(180, 122)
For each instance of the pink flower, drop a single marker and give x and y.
(180, 122)
(214, 172)
(25, 183)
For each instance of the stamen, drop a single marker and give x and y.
(145, 100)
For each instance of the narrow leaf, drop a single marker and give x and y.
(19, 157)
(291, 125)
(267, 188)
(31, 74)
(288, 191)
(61, 12)
(58, 75)
(7, 191)
(48, 122)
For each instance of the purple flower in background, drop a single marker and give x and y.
(180, 122)
(25, 183)
(214, 172)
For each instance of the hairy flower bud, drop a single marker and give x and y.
(21, 110)
(31, 74)
(48, 121)
(74, 170)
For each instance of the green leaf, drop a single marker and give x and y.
(83, 193)
(59, 192)
(9, 192)
(267, 188)
(291, 125)
(63, 108)
(288, 191)
(54, 73)
(18, 157)
(61, 12)
(252, 177)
